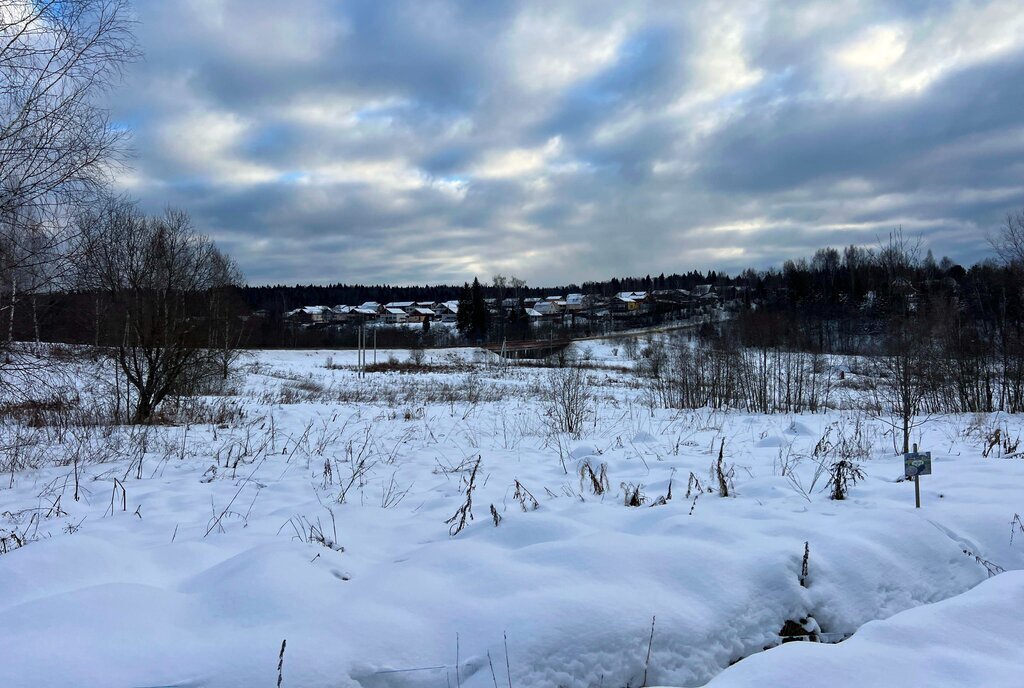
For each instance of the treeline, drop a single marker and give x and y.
(282, 298)
(886, 331)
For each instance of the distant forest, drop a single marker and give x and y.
(282, 298)
(836, 301)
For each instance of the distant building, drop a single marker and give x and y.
(309, 314)
(394, 316)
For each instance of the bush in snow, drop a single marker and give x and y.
(722, 474)
(568, 398)
(632, 494)
(844, 474)
(598, 479)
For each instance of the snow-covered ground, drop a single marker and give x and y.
(972, 639)
(194, 552)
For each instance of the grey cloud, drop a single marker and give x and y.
(603, 176)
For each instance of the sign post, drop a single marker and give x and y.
(916, 464)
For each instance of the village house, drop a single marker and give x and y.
(309, 314)
(447, 312)
(574, 302)
(418, 315)
(361, 315)
(407, 306)
(394, 316)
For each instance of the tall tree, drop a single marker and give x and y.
(480, 316)
(57, 146)
(158, 278)
(464, 318)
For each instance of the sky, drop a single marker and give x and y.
(431, 141)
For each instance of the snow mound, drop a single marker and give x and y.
(972, 639)
(799, 429)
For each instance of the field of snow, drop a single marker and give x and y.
(320, 510)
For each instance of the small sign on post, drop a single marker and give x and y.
(916, 464)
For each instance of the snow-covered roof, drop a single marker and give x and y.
(364, 311)
(370, 304)
(423, 311)
(574, 299)
(400, 304)
(342, 309)
(309, 310)
(534, 313)
(394, 311)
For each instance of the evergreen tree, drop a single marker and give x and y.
(479, 314)
(464, 318)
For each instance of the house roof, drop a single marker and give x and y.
(311, 310)
(533, 313)
(394, 311)
(423, 311)
(400, 304)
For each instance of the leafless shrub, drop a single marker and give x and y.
(843, 475)
(632, 495)
(723, 475)
(693, 484)
(312, 533)
(464, 513)
(1000, 440)
(598, 480)
(568, 399)
(392, 494)
(495, 516)
(360, 463)
(839, 450)
(525, 498)
(417, 356)
(991, 568)
(15, 537)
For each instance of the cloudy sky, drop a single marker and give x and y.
(413, 141)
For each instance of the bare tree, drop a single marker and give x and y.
(1009, 242)
(227, 314)
(903, 377)
(160, 281)
(57, 146)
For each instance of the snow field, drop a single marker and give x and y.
(217, 567)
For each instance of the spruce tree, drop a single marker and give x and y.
(479, 314)
(464, 318)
